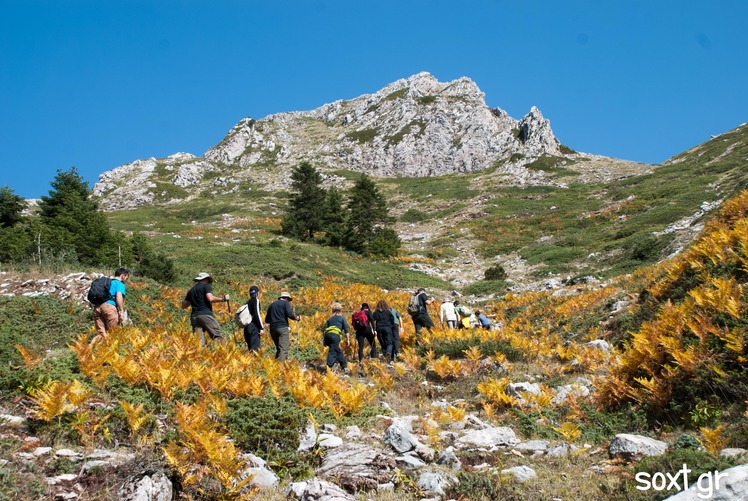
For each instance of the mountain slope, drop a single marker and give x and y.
(414, 127)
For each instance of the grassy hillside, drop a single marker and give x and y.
(573, 228)
(675, 373)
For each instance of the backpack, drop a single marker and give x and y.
(359, 320)
(243, 317)
(414, 307)
(331, 330)
(99, 291)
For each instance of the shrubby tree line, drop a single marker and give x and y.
(357, 221)
(69, 229)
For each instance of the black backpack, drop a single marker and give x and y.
(99, 291)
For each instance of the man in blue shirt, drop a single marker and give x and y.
(112, 312)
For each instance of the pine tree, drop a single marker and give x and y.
(334, 218)
(367, 221)
(73, 218)
(305, 214)
(11, 206)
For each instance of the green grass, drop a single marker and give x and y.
(40, 325)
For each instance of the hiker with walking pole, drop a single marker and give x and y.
(201, 299)
(278, 315)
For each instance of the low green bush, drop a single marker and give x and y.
(270, 428)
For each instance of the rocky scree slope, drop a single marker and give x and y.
(413, 127)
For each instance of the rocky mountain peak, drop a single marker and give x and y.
(416, 126)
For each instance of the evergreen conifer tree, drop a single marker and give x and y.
(334, 218)
(73, 219)
(11, 206)
(306, 205)
(367, 225)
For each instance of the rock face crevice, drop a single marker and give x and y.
(413, 127)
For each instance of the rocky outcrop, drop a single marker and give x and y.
(413, 127)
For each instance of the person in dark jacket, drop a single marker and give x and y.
(422, 318)
(201, 299)
(333, 328)
(364, 331)
(255, 328)
(278, 315)
(383, 326)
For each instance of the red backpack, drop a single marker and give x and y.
(359, 320)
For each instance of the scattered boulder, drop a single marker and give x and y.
(732, 452)
(563, 392)
(449, 459)
(516, 389)
(599, 344)
(357, 467)
(317, 490)
(521, 473)
(434, 484)
(156, 487)
(561, 450)
(410, 462)
(12, 421)
(262, 476)
(533, 446)
(630, 446)
(310, 438)
(489, 438)
(400, 438)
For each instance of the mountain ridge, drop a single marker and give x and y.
(413, 127)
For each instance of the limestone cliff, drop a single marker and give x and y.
(413, 127)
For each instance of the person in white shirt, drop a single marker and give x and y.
(448, 314)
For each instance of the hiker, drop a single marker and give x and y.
(112, 311)
(463, 316)
(418, 310)
(447, 313)
(397, 321)
(384, 327)
(483, 320)
(332, 330)
(278, 315)
(254, 329)
(363, 324)
(200, 297)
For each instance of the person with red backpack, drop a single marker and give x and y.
(363, 323)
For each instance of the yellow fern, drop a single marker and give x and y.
(712, 439)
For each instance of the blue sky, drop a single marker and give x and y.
(97, 84)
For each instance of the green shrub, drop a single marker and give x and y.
(270, 428)
(38, 324)
(495, 272)
(481, 487)
(486, 287)
(414, 216)
(455, 349)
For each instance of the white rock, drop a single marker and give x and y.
(10, 420)
(533, 445)
(521, 473)
(629, 446)
(489, 438)
(599, 344)
(434, 484)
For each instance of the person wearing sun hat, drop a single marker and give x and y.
(278, 315)
(200, 297)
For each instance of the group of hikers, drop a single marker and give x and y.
(383, 325)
